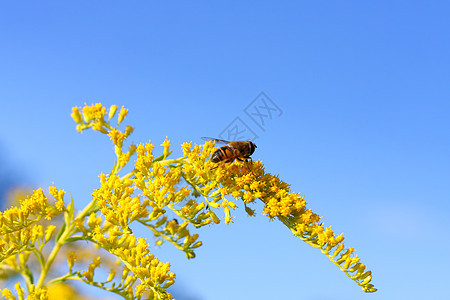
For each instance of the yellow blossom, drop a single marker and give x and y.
(166, 145)
(112, 111)
(117, 137)
(169, 197)
(76, 115)
(71, 259)
(122, 114)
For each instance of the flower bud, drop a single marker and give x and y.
(49, 232)
(76, 115)
(214, 217)
(112, 111)
(123, 113)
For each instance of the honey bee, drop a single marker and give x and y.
(240, 150)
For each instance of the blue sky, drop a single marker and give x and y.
(364, 131)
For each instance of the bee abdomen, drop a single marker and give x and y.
(221, 154)
(217, 156)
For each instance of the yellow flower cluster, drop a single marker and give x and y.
(94, 116)
(117, 203)
(249, 182)
(34, 293)
(154, 275)
(18, 230)
(166, 196)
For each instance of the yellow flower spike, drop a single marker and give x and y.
(168, 283)
(92, 221)
(347, 263)
(128, 280)
(116, 137)
(99, 127)
(123, 159)
(132, 149)
(227, 215)
(27, 234)
(186, 148)
(354, 268)
(369, 288)
(7, 294)
(214, 217)
(140, 289)
(166, 145)
(71, 258)
(80, 226)
(123, 113)
(128, 130)
(112, 274)
(89, 273)
(367, 280)
(59, 197)
(76, 115)
(197, 244)
(20, 291)
(112, 111)
(93, 112)
(232, 204)
(190, 186)
(365, 275)
(214, 204)
(344, 256)
(361, 269)
(355, 260)
(49, 232)
(125, 273)
(206, 222)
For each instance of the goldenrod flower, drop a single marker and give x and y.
(59, 197)
(169, 197)
(76, 115)
(117, 137)
(71, 259)
(112, 111)
(166, 145)
(8, 295)
(123, 113)
(94, 113)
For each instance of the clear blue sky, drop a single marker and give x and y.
(364, 90)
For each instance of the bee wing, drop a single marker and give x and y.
(215, 140)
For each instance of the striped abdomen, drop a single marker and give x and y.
(223, 153)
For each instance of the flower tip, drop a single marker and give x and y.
(76, 115)
(122, 114)
(112, 111)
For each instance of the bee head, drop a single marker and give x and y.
(252, 147)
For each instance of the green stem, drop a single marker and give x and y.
(39, 257)
(52, 257)
(62, 279)
(68, 231)
(191, 221)
(128, 175)
(27, 276)
(167, 238)
(179, 160)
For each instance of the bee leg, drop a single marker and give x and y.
(247, 158)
